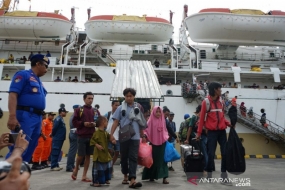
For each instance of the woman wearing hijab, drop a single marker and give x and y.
(157, 135)
(242, 109)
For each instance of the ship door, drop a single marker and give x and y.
(203, 54)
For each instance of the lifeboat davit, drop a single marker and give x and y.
(237, 27)
(26, 25)
(128, 29)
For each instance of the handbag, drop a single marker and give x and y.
(126, 133)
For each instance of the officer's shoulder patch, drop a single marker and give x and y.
(18, 78)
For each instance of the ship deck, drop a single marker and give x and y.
(263, 173)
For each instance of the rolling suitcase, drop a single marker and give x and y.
(194, 163)
(183, 149)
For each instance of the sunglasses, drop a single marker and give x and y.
(46, 65)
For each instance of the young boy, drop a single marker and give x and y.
(102, 160)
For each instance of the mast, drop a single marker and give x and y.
(88, 12)
(170, 15)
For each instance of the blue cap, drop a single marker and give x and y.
(40, 57)
(75, 106)
(186, 116)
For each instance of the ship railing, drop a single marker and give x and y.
(241, 56)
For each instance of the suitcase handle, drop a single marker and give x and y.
(199, 145)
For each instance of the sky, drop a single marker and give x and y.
(159, 8)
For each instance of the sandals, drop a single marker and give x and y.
(125, 182)
(135, 185)
(107, 182)
(165, 181)
(73, 176)
(86, 180)
(95, 185)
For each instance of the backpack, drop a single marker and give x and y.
(81, 111)
(184, 128)
(208, 106)
(109, 114)
(1, 113)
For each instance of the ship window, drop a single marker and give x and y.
(272, 54)
(214, 50)
(165, 50)
(110, 50)
(153, 47)
(178, 51)
(135, 51)
(141, 51)
(202, 54)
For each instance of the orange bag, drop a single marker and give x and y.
(145, 155)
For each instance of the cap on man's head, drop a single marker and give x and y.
(76, 106)
(62, 110)
(186, 116)
(51, 113)
(171, 113)
(40, 57)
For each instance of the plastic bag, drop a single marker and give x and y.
(170, 153)
(145, 155)
(235, 152)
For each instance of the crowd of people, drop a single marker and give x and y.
(120, 131)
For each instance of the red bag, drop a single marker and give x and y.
(145, 155)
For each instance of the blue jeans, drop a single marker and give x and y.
(204, 150)
(55, 152)
(213, 137)
(72, 151)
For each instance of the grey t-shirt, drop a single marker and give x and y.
(125, 120)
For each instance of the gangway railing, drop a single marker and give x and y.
(107, 55)
(274, 131)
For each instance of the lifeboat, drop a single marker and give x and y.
(237, 27)
(128, 29)
(27, 25)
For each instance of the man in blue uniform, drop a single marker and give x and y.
(27, 102)
(58, 137)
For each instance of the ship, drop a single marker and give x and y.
(119, 51)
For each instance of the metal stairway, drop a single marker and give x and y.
(273, 131)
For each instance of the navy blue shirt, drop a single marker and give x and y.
(173, 127)
(59, 129)
(29, 88)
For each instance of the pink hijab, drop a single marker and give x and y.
(156, 132)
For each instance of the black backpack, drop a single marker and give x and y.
(235, 152)
(1, 113)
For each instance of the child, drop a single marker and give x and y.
(102, 164)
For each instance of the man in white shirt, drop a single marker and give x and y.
(114, 149)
